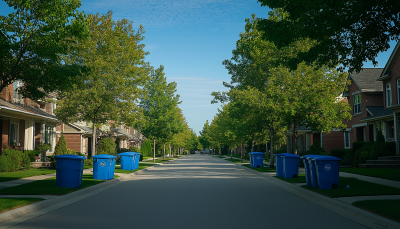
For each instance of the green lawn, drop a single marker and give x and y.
(264, 169)
(158, 160)
(386, 208)
(390, 174)
(7, 204)
(141, 166)
(25, 173)
(357, 188)
(47, 187)
(236, 160)
(144, 158)
(300, 179)
(223, 157)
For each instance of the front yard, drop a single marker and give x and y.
(8, 176)
(390, 174)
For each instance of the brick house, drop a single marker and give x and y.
(365, 96)
(390, 82)
(24, 123)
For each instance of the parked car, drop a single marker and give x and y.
(192, 152)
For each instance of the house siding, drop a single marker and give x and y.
(73, 141)
(333, 140)
(4, 135)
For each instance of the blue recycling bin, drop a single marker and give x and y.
(291, 166)
(307, 168)
(112, 168)
(69, 170)
(251, 159)
(327, 168)
(257, 160)
(313, 171)
(279, 164)
(102, 167)
(137, 157)
(127, 161)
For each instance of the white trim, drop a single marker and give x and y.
(398, 90)
(356, 93)
(29, 113)
(390, 94)
(359, 125)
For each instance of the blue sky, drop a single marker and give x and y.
(190, 38)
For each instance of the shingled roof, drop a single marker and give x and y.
(377, 113)
(26, 110)
(366, 79)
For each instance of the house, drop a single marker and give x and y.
(390, 82)
(25, 122)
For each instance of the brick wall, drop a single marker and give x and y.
(73, 141)
(333, 140)
(395, 73)
(7, 93)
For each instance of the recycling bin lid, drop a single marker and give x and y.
(257, 153)
(283, 154)
(70, 156)
(291, 156)
(126, 154)
(310, 157)
(326, 158)
(104, 156)
(305, 156)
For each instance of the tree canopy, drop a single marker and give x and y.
(33, 40)
(348, 32)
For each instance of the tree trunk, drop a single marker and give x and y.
(231, 153)
(164, 152)
(271, 154)
(220, 150)
(93, 153)
(252, 143)
(154, 151)
(241, 150)
(294, 147)
(170, 152)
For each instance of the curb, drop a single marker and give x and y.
(351, 212)
(34, 210)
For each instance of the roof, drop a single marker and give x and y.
(84, 128)
(366, 79)
(26, 110)
(386, 73)
(377, 113)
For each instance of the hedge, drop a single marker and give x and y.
(13, 160)
(340, 153)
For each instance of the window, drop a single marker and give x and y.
(388, 95)
(347, 140)
(49, 135)
(357, 104)
(13, 134)
(398, 91)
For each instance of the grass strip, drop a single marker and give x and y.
(263, 169)
(390, 174)
(300, 179)
(7, 176)
(141, 166)
(159, 160)
(357, 188)
(221, 157)
(47, 187)
(386, 208)
(7, 204)
(236, 160)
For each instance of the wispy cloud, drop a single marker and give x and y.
(168, 13)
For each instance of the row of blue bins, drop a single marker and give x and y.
(321, 171)
(256, 159)
(70, 167)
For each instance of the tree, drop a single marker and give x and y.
(351, 32)
(61, 146)
(107, 146)
(33, 39)
(118, 71)
(160, 106)
(310, 96)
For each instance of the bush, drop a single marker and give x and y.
(363, 153)
(388, 149)
(356, 146)
(107, 146)
(32, 154)
(315, 149)
(14, 160)
(281, 150)
(61, 146)
(135, 149)
(340, 153)
(88, 162)
(146, 148)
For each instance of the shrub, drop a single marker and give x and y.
(363, 153)
(32, 154)
(340, 153)
(281, 150)
(107, 146)
(135, 149)
(146, 148)
(315, 148)
(88, 162)
(388, 149)
(61, 147)
(13, 160)
(356, 146)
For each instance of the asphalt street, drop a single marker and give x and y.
(197, 191)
